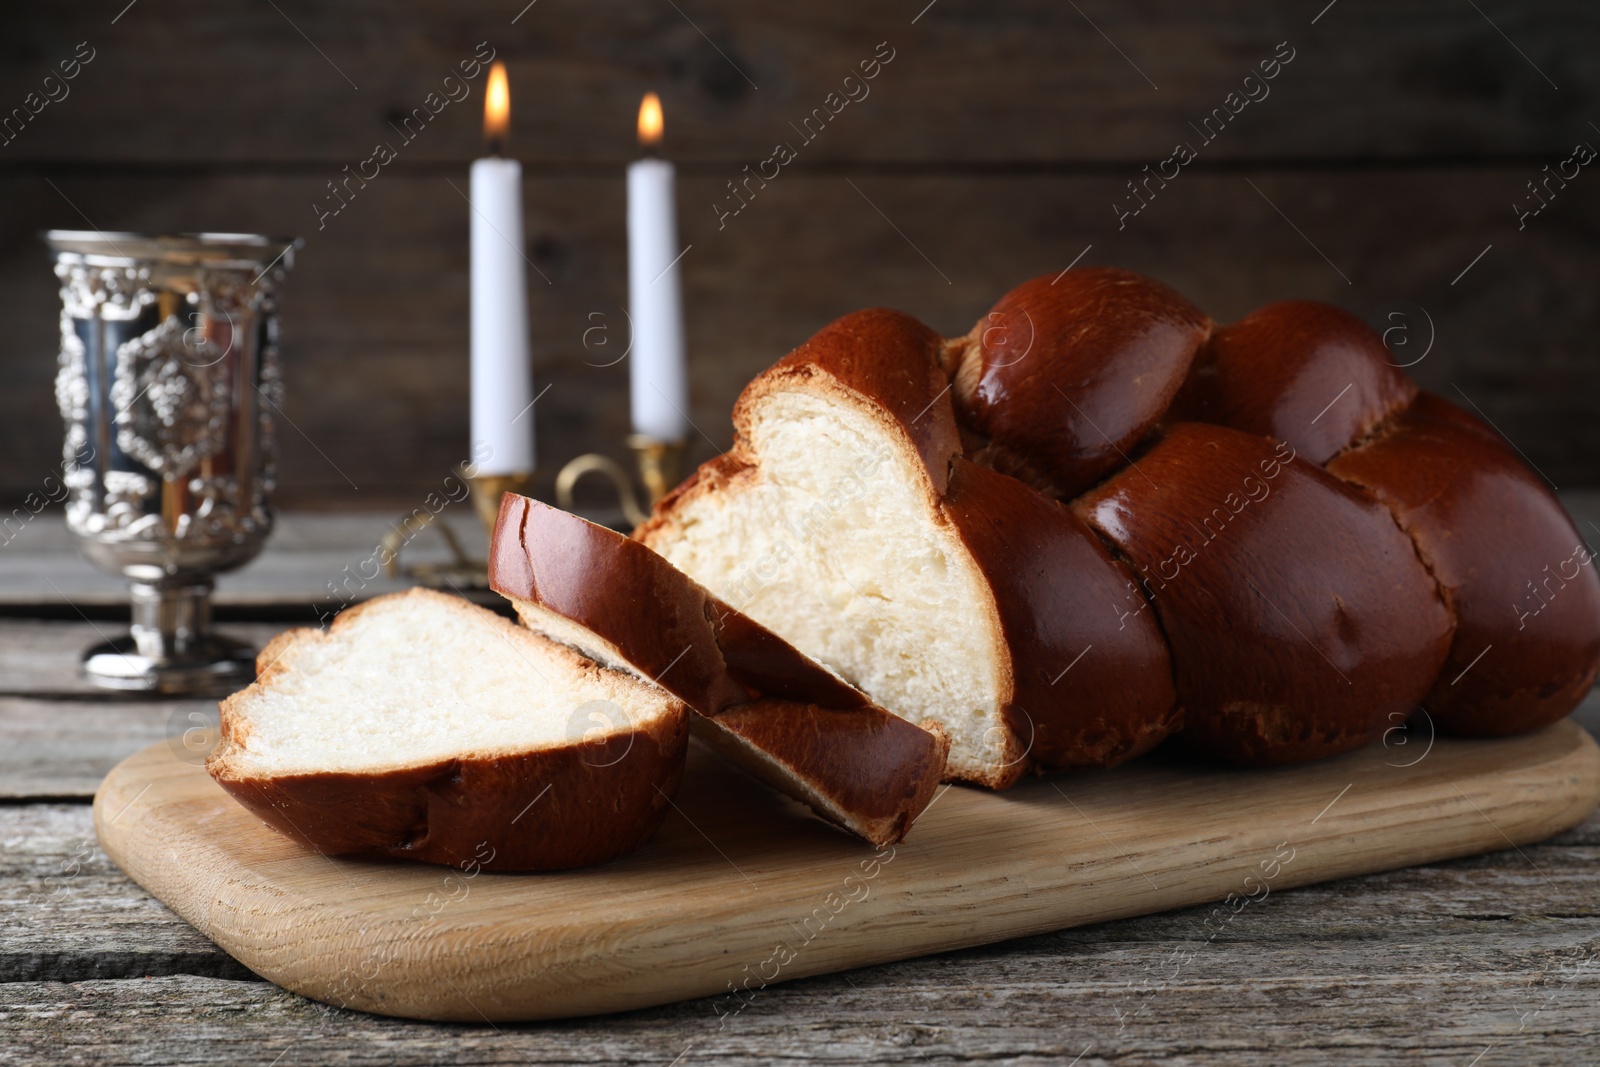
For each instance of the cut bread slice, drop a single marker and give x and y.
(953, 596)
(423, 727)
(763, 704)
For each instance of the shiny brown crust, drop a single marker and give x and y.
(792, 722)
(638, 610)
(858, 768)
(1299, 371)
(1300, 620)
(884, 357)
(879, 361)
(1516, 573)
(1091, 679)
(573, 805)
(1068, 372)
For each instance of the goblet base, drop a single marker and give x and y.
(171, 648)
(214, 666)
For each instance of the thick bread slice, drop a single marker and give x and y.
(951, 595)
(422, 727)
(763, 704)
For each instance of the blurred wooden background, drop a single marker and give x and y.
(1388, 155)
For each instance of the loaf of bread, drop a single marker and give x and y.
(761, 703)
(1100, 518)
(422, 727)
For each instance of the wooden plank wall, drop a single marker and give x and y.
(1377, 165)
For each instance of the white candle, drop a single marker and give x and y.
(502, 374)
(658, 387)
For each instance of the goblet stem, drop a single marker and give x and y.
(170, 647)
(170, 620)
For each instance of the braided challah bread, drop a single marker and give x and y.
(1100, 519)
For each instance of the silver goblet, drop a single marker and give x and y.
(168, 382)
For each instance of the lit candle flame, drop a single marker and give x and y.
(650, 121)
(497, 107)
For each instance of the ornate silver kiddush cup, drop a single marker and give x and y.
(168, 383)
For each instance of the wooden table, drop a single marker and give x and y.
(1492, 960)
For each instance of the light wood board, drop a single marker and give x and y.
(741, 887)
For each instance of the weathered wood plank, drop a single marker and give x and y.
(53, 862)
(1407, 966)
(1259, 1007)
(375, 316)
(40, 659)
(63, 748)
(310, 562)
(1029, 80)
(70, 914)
(307, 552)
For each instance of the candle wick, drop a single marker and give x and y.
(497, 147)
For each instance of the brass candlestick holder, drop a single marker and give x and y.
(462, 570)
(487, 489)
(660, 466)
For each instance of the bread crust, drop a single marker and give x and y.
(1084, 692)
(721, 474)
(1068, 372)
(1485, 525)
(569, 805)
(1299, 371)
(1301, 622)
(1515, 571)
(860, 770)
(771, 709)
(881, 362)
(883, 357)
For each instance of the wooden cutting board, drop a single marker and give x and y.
(743, 888)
